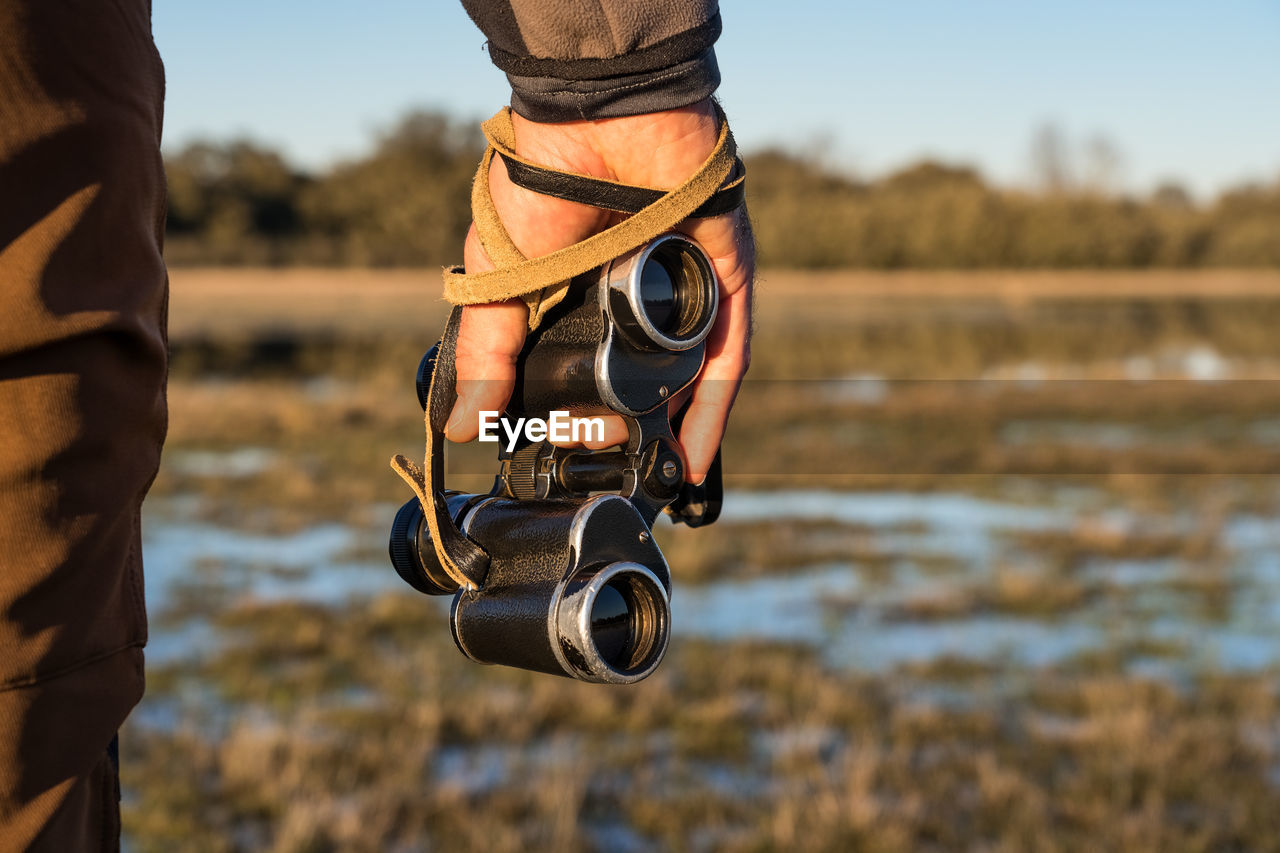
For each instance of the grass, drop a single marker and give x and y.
(345, 720)
(359, 726)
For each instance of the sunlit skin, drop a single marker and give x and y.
(657, 150)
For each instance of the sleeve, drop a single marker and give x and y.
(590, 59)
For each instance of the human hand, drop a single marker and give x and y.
(658, 150)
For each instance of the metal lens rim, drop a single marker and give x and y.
(706, 301)
(648, 603)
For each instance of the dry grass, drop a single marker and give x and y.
(1021, 287)
(343, 719)
(220, 301)
(233, 303)
(361, 728)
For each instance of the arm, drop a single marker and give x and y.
(660, 146)
(574, 60)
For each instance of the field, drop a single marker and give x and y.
(998, 570)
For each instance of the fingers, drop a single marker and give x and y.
(491, 335)
(489, 339)
(728, 241)
(614, 432)
(728, 356)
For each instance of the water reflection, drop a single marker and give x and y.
(860, 620)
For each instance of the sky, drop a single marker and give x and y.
(1183, 91)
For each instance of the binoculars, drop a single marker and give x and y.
(575, 584)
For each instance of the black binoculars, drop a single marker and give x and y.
(575, 584)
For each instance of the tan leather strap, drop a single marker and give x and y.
(541, 281)
(461, 559)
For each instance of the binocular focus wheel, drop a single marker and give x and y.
(422, 380)
(409, 534)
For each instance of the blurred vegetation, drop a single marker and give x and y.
(407, 204)
(353, 724)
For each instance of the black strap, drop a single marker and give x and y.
(469, 557)
(610, 195)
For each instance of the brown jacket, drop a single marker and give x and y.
(82, 412)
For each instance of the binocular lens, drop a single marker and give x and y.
(658, 295)
(613, 623)
(612, 627)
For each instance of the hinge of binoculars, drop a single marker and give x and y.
(648, 472)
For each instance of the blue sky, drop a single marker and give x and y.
(1183, 90)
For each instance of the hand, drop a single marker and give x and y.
(658, 150)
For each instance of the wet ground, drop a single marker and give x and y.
(936, 556)
(987, 577)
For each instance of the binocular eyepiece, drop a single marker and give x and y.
(575, 584)
(613, 621)
(664, 297)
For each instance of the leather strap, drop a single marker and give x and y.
(611, 195)
(463, 560)
(541, 282)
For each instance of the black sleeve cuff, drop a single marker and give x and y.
(553, 99)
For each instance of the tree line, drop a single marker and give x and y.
(407, 203)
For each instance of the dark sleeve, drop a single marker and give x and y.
(589, 59)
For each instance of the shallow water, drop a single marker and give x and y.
(233, 464)
(1199, 362)
(795, 609)
(195, 568)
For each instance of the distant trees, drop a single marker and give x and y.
(1246, 228)
(234, 203)
(931, 215)
(408, 204)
